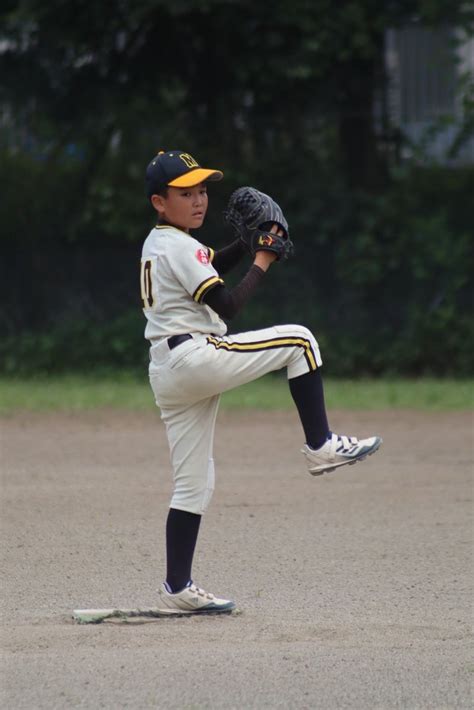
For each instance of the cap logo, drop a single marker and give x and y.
(188, 160)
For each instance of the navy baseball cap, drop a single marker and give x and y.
(176, 169)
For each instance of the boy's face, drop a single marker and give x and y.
(183, 207)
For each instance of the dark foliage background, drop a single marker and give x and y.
(285, 102)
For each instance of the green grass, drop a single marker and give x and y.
(124, 390)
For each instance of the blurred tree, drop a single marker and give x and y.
(94, 80)
(280, 95)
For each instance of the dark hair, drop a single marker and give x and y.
(163, 192)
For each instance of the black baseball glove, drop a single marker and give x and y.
(252, 214)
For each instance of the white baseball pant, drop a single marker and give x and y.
(188, 380)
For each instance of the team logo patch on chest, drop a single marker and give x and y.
(202, 256)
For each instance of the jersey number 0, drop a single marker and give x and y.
(146, 285)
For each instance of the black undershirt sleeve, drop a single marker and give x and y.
(228, 257)
(228, 302)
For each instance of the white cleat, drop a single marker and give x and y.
(192, 600)
(339, 451)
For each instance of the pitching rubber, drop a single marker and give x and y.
(97, 616)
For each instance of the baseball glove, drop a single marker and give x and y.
(252, 214)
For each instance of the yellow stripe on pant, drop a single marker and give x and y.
(268, 345)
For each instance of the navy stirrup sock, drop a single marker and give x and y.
(308, 395)
(181, 534)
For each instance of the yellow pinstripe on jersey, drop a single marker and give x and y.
(204, 287)
(268, 345)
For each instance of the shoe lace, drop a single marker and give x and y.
(201, 592)
(348, 442)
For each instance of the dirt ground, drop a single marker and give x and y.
(355, 587)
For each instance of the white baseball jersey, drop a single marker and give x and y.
(176, 273)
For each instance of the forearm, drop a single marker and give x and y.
(226, 258)
(228, 302)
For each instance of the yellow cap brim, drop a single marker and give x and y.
(195, 177)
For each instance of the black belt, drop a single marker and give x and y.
(177, 340)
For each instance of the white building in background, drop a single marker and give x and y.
(430, 74)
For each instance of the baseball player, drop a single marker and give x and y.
(193, 359)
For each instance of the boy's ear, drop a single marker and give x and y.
(158, 203)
